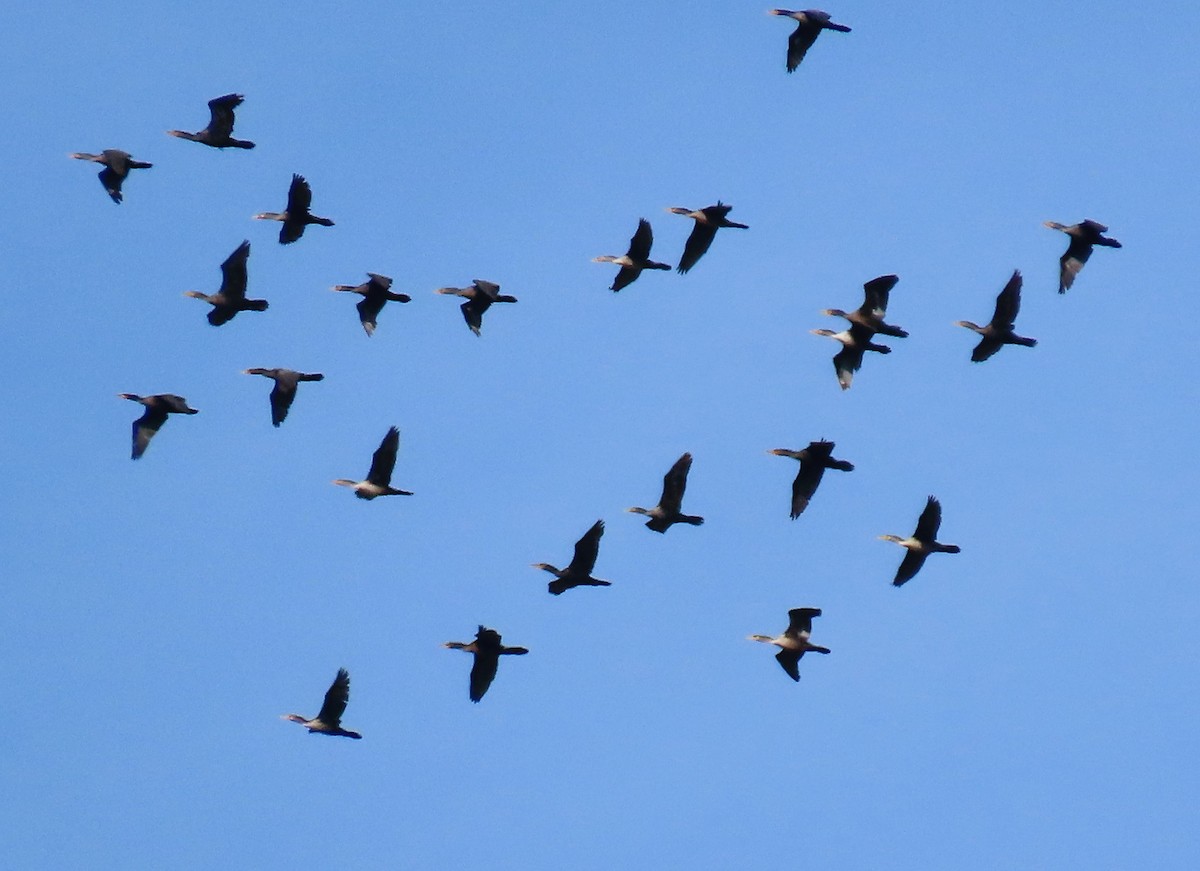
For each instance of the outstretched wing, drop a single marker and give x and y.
(800, 42)
(674, 485)
(1008, 303)
(220, 123)
(697, 243)
(586, 551)
(483, 672)
(383, 461)
(336, 699)
(800, 621)
(930, 521)
(282, 396)
(790, 660)
(909, 566)
(233, 273)
(299, 197)
(643, 238)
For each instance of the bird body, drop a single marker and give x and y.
(814, 460)
(809, 24)
(487, 650)
(117, 164)
(999, 332)
(375, 293)
(283, 394)
(231, 298)
(708, 221)
(379, 479)
(1084, 236)
(668, 510)
(579, 572)
(633, 261)
(921, 543)
(158, 407)
(874, 307)
(480, 296)
(329, 720)
(297, 215)
(855, 342)
(218, 133)
(794, 642)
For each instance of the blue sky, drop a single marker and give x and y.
(1028, 703)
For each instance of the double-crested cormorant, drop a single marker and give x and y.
(814, 460)
(231, 298)
(667, 511)
(921, 543)
(297, 216)
(487, 651)
(375, 294)
(794, 643)
(809, 25)
(579, 572)
(480, 296)
(874, 307)
(329, 720)
(633, 261)
(1083, 236)
(855, 342)
(284, 391)
(117, 164)
(1000, 331)
(219, 131)
(379, 479)
(158, 407)
(708, 221)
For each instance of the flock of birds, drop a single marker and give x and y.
(865, 322)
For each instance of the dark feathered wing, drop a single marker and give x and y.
(233, 273)
(643, 239)
(800, 620)
(674, 485)
(800, 42)
(383, 461)
(930, 521)
(336, 699)
(790, 660)
(586, 551)
(698, 242)
(483, 672)
(220, 110)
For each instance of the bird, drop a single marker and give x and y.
(231, 298)
(1083, 236)
(814, 460)
(219, 131)
(667, 511)
(283, 394)
(855, 342)
(579, 572)
(297, 216)
(487, 651)
(874, 307)
(708, 221)
(794, 643)
(480, 296)
(999, 331)
(921, 543)
(379, 479)
(329, 720)
(117, 164)
(158, 407)
(809, 25)
(375, 294)
(633, 261)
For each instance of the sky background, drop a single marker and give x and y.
(1029, 703)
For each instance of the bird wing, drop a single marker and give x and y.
(483, 672)
(282, 396)
(698, 242)
(846, 362)
(112, 183)
(643, 238)
(368, 310)
(875, 296)
(909, 566)
(790, 660)
(930, 521)
(625, 277)
(473, 310)
(220, 123)
(1008, 303)
(586, 551)
(233, 273)
(800, 621)
(145, 427)
(299, 197)
(383, 461)
(1072, 261)
(488, 288)
(674, 485)
(800, 42)
(987, 346)
(806, 483)
(221, 314)
(336, 698)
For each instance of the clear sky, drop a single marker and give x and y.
(1029, 703)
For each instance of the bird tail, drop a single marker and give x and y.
(692, 519)
(816, 649)
(841, 28)
(841, 465)
(317, 376)
(324, 222)
(257, 305)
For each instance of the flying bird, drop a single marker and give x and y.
(480, 296)
(633, 261)
(794, 643)
(814, 460)
(809, 25)
(708, 221)
(375, 293)
(487, 651)
(999, 332)
(855, 342)
(231, 298)
(379, 479)
(667, 512)
(329, 720)
(1083, 236)
(579, 572)
(297, 216)
(117, 164)
(921, 543)
(158, 407)
(874, 307)
(219, 132)
(283, 394)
